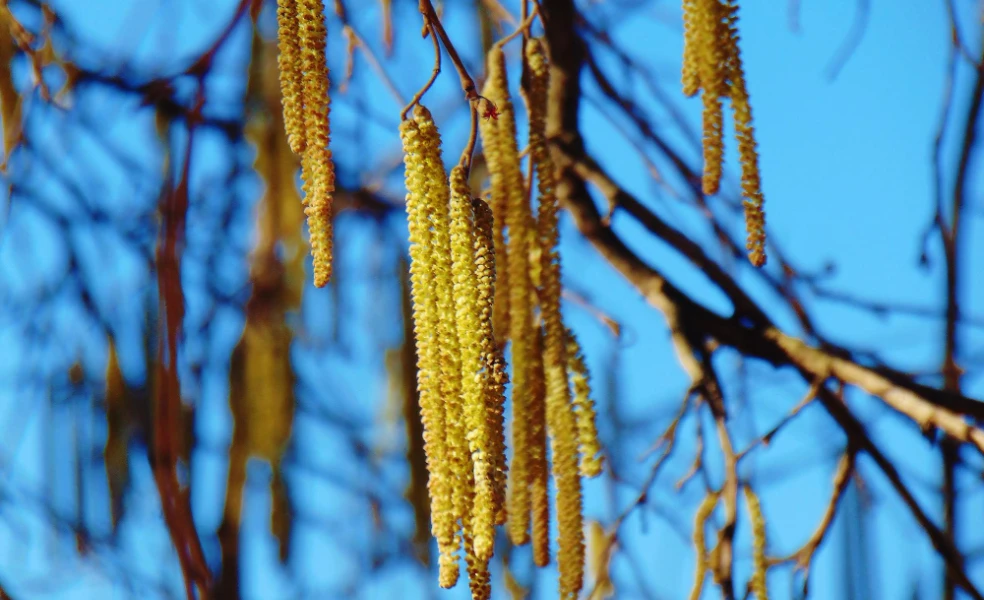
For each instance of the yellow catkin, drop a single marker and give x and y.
(549, 368)
(691, 77)
(710, 36)
(751, 184)
(290, 73)
(560, 416)
(757, 518)
(426, 318)
(485, 274)
(496, 91)
(700, 544)
(474, 376)
(539, 469)
(712, 61)
(437, 194)
(507, 176)
(316, 165)
(587, 432)
(479, 579)
(570, 554)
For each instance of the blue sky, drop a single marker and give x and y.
(847, 174)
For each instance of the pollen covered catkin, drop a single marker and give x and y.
(710, 62)
(425, 318)
(485, 274)
(437, 195)
(304, 87)
(290, 73)
(691, 78)
(461, 377)
(539, 468)
(587, 432)
(319, 172)
(560, 415)
(499, 135)
(491, 131)
(474, 376)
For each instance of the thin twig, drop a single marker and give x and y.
(435, 26)
(803, 557)
(437, 71)
(765, 439)
(852, 41)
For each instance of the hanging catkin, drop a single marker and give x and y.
(712, 64)
(560, 417)
(587, 432)
(304, 87)
(499, 136)
(485, 274)
(759, 564)
(691, 78)
(491, 131)
(290, 73)
(474, 376)
(438, 194)
(751, 184)
(539, 469)
(425, 318)
(703, 513)
(461, 369)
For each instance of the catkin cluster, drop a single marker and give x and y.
(550, 391)
(485, 276)
(304, 87)
(460, 370)
(712, 65)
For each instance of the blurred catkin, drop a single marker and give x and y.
(759, 565)
(115, 452)
(290, 73)
(691, 77)
(560, 416)
(712, 64)
(710, 69)
(704, 511)
(751, 184)
(587, 432)
(539, 469)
